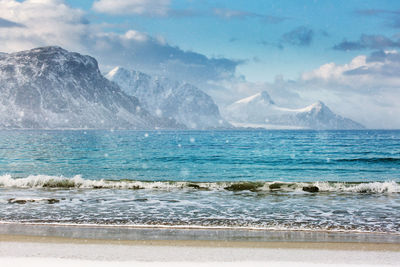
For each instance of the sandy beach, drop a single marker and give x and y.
(57, 249)
(50, 251)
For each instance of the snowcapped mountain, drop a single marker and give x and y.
(163, 97)
(260, 110)
(49, 87)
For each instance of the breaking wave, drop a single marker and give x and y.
(60, 182)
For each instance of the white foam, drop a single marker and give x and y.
(46, 181)
(372, 187)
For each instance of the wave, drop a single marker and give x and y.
(60, 182)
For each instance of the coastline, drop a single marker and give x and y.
(18, 250)
(346, 246)
(63, 245)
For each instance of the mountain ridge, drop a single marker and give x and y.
(52, 88)
(164, 97)
(260, 110)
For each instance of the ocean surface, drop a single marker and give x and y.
(278, 180)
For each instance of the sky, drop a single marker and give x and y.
(344, 53)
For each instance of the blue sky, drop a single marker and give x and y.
(344, 53)
(247, 35)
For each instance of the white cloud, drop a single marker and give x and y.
(367, 88)
(135, 35)
(45, 21)
(374, 72)
(139, 7)
(52, 22)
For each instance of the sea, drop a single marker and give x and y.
(292, 180)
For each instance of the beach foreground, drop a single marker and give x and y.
(21, 250)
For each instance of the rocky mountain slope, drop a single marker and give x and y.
(50, 87)
(163, 97)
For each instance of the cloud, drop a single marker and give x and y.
(52, 22)
(366, 89)
(391, 17)
(300, 36)
(143, 52)
(363, 73)
(368, 42)
(46, 22)
(348, 45)
(9, 24)
(272, 44)
(227, 13)
(162, 8)
(138, 7)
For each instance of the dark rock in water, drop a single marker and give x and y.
(244, 186)
(52, 88)
(136, 187)
(194, 186)
(16, 201)
(19, 201)
(275, 186)
(311, 189)
(141, 199)
(52, 200)
(24, 201)
(198, 187)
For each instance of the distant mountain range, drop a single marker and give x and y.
(163, 97)
(260, 111)
(51, 88)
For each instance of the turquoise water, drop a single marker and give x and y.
(293, 180)
(204, 156)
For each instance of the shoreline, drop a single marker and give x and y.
(343, 246)
(18, 250)
(202, 237)
(51, 245)
(192, 227)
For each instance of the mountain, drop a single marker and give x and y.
(49, 87)
(260, 110)
(163, 97)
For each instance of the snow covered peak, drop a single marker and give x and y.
(262, 97)
(54, 54)
(260, 110)
(319, 105)
(127, 78)
(51, 59)
(316, 107)
(118, 72)
(114, 71)
(170, 99)
(49, 87)
(267, 98)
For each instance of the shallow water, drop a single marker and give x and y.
(290, 180)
